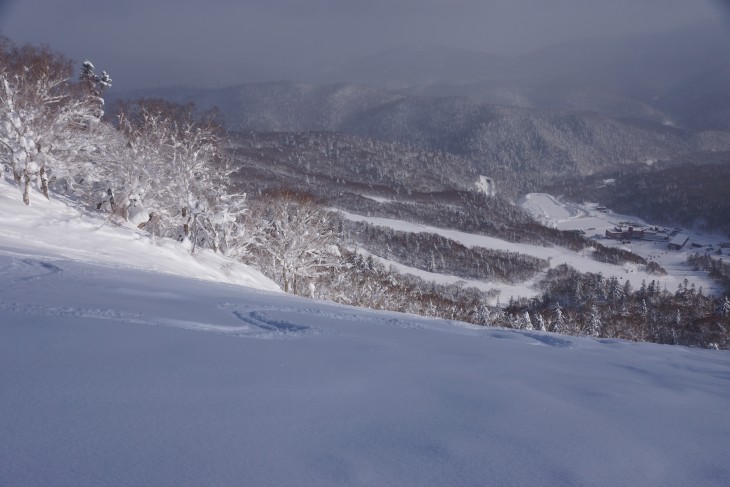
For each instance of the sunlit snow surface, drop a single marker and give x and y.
(113, 375)
(57, 229)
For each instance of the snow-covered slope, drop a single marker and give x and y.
(115, 375)
(57, 230)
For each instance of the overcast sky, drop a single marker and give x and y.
(122, 34)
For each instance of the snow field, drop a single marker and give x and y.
(134, 377)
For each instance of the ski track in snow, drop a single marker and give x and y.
(22, 271)
(257, 323)
(32, 270)
(254, 312)
(260, 321)
(260, 324)
(550, 340)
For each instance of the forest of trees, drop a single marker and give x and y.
(157, 165)
(434, 253)
(716, 268)
(169, 170)
(589, 304)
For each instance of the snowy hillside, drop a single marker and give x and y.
(117, 368)
(58, 230)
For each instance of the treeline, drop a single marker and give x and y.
(362, 281)
(321, 162)
(616, 256)
(434, 253)
(472, 212)
(589, 304)
(717, 268)
(492, 216)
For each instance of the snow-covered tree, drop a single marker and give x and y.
(559, 325)
(540, 322)
(594, 322)
(578, 295)
(627, 291)
(524, 322)
(179, 170)
(614, 291)
(643, 309)
(723, 309)
(94, 86)
(94, 83)
(297, 241)
(44, 120)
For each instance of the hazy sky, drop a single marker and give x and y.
(225, 34)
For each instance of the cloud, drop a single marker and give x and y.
(301, 32)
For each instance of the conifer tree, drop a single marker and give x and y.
(723, 309)
(559, 325)
(526, 321)
(540, 322)
(594, 322)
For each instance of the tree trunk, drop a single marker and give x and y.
(44, 182)
(17, 175)
(26, 190)
(186, 227)
(285, 279)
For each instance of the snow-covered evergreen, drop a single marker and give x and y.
(594, 322)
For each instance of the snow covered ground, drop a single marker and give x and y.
(549, 211)
(128, 377)
(116, 374)
(57, 229)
